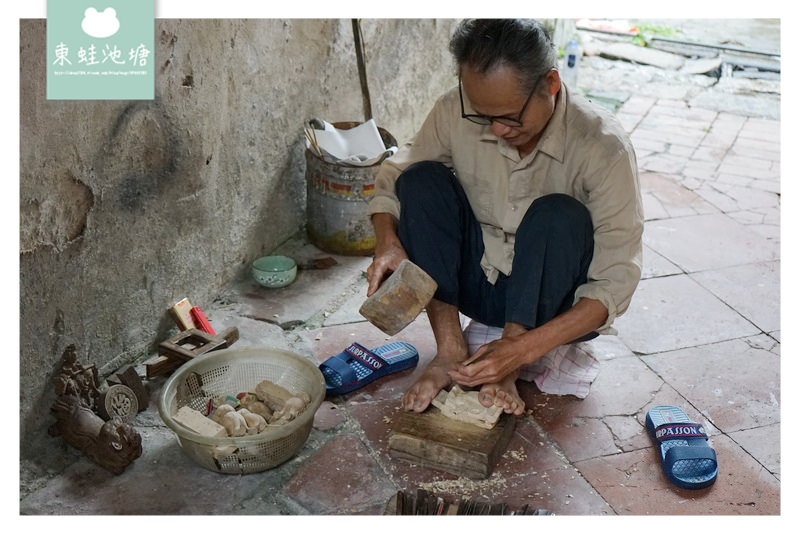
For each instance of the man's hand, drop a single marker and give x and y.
(492, 362)
(382, 265)
(389, 252)
(497, 359)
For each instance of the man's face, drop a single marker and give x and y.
(500, 93)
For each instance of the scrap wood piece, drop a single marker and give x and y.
(199, 423)
(160, 365)
(466, 407)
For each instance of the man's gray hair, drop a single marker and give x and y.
(486, 44)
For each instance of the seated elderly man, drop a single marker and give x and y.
(521, 199)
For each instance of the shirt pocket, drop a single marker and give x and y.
(525, 185)
(479, 191)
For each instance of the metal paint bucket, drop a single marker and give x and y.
(336, 210)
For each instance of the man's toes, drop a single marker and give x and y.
(486, 399)
(511, 407)
(420, 404)
(408, 400)
(416, 400)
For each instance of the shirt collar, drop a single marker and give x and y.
(554, 137)
(555, 133)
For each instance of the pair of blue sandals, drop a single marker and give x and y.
(687, 459)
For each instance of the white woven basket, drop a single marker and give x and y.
(227, 373)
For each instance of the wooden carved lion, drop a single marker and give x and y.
(113, 444)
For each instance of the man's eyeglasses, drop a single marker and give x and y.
(485, 120)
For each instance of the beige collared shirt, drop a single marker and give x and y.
(583, 152)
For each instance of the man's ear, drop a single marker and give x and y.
(553, 81)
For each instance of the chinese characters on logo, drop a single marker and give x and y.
(137, 56)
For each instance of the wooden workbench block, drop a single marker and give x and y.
(435, 441)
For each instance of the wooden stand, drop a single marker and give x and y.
(187, 345)
(435, 441)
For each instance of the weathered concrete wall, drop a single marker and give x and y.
(128, 206)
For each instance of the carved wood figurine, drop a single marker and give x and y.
(113, 444)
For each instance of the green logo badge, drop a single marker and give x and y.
(100, 49)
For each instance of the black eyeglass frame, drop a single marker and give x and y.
(486, 120)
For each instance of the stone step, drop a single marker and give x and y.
(641, 55)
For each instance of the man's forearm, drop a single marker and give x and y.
(584, 317)
(389, 251)
(385, 226)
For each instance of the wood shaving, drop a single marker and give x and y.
(516, 455)
(463, 485)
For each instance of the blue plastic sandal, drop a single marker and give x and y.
(356, 366)
(687, 459)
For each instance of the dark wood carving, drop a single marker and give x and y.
(113, 444)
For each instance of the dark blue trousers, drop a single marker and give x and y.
(552, 250)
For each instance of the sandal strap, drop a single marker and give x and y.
(682, 431)
(344, 370)
(687, 453)
(372, 360)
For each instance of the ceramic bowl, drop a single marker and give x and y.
(274, 271)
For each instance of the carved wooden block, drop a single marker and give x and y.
(131, 379)
(118, 401)
(465, 407)
(400, 298)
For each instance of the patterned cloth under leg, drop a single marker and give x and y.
(567, 369)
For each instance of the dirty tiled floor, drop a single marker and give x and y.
(702, 333)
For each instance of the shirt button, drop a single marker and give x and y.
(513, 208)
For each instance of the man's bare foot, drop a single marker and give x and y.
(419, 396)
(503, 394)
(451, 351)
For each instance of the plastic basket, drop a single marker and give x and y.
(229, 372)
